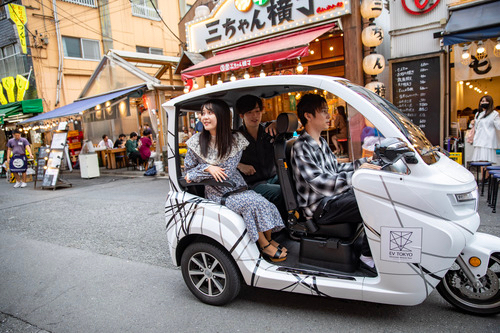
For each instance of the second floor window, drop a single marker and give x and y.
(11, 61)
(145, 9)
(88, 3)
(150, 50)
(81, 48)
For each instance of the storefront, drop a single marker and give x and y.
(243, 39)
(472, 35)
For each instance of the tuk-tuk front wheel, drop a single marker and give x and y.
(210, 274)
(456, 288)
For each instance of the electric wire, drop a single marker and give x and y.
(158, 13)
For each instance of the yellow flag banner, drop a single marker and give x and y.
(9, 84)
(18, 16)
(22, 85)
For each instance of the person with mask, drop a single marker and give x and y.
(487, 136)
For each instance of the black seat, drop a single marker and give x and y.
(286, 124)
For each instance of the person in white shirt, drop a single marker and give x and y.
(487, 132)
(105, 142)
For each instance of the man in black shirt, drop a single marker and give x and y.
(257, 163)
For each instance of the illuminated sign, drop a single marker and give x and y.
(419, 7)
(227, 25)
(17, 14)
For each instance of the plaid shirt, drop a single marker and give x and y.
(317, 173)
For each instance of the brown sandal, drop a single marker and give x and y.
(278, 246)
(276, 257)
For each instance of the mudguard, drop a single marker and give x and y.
(481, 245)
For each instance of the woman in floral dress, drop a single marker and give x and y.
(215, 153)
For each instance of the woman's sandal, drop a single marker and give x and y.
(278, 245)
(277, 255)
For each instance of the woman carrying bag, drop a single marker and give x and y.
(486, 132)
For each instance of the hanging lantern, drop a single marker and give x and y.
(496, 50)
(371, 9)
(372, 36)
(373, 64)
(377, 87)
(481, 51)
(465, 58)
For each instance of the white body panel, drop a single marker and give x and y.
(420, 202)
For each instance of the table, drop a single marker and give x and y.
(111, 156)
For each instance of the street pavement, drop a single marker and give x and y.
(93, 258)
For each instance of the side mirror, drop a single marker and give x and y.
(391, 150)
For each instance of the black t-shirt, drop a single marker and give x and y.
(259, 154)
(118, 143)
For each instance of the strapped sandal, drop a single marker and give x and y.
(276, 257)
(279, 246)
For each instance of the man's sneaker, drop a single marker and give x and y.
(17, 184)
(23, 184)
(368, 261)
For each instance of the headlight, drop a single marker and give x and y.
(461, 197)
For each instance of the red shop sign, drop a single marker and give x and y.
(420, 6)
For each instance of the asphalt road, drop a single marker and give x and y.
(93, 258)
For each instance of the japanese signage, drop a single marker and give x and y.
(17, 14)
(476, 69)
(416, 88)
(236, 21)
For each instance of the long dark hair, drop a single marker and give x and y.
(223, 134)
(490, 107)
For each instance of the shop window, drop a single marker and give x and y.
(81, 48)
(88, 3)
(146, 9)
(149, 50)
(11, 61)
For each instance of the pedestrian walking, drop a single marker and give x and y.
(16, 157)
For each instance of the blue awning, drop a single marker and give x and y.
(81, 105)
(474, 23)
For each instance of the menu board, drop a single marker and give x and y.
(416, 90)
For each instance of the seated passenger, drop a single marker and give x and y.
(215, 153)
(257, 163)
(318, 175)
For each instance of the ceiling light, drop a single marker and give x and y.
(481, 51)
(246, 75)
(233, 77)
(466, 58)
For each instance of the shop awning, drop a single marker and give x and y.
(473, 23)
(22, 107)
(274, 49)
(81, 105)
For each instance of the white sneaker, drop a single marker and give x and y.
(23, 184)
(368, 261)
(18, 184)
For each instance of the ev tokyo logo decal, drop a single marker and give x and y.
(399, 241)
(401, 244)
(419, 7)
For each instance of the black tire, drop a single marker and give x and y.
(458, 291)
(210, 273)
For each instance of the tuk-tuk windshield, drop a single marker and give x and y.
(412, 132)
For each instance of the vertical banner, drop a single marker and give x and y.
(17, 14)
